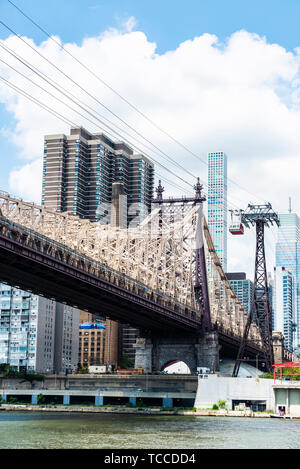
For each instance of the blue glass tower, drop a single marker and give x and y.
(217, 203)
(284, 300)
(288, 256)
(243, 289)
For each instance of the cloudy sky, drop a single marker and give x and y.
(212, 77)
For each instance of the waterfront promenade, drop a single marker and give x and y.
(100, 390)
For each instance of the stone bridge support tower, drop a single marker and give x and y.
(155, 352)
(278, 347)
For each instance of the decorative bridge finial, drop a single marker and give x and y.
(159, 190)
(198, 188)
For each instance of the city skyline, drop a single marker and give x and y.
(54, 196)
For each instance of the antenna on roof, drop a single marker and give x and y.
(290, 204)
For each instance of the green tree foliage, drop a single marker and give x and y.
(41, 399)
(221, 404)
(11, 372)
(286, 374)
(127, 362)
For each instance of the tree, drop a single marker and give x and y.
(127, 362)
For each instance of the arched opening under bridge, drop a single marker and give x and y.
(177, 367)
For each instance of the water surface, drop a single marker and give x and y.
(112, 431)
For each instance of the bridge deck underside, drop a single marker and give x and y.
(230, 346)
(41, 274)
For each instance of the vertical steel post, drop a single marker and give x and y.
(201, 285)
(260, 310)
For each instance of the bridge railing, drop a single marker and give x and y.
(67, 255)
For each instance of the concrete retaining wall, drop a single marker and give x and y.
(215, 388)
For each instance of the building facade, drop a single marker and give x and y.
(283, 312)
(288, 256)
(91, 344)
(79, 170)
(93, 177)
(217, 203)
(66, 338)
(28, 332)
(243, 289)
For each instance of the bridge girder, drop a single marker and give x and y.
(159, 253)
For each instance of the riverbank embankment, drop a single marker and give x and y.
(134, 411)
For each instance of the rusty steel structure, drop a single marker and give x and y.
(152, 267)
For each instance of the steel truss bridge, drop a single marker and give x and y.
(143, 275)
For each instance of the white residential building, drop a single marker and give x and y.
(29, 326)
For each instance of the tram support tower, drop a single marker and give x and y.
(259, 216)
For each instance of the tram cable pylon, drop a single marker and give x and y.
(260, 312)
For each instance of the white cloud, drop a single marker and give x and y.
(241, 96)
(27, 180)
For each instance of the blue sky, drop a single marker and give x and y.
(166, 22)
(254, 123)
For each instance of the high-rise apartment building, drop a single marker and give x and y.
(93, 177)
(79, 170)
(29, 326)
(243, 289)
(284, 310)
(217, 203)
(66, 338)
(288, 256)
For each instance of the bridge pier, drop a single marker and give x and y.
(208, 349)
(155, 352)
(278, 347)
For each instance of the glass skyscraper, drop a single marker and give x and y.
(284, 300)
(288, 256)
(243, 289)
(217, 203)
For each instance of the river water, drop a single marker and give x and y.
(112, 431)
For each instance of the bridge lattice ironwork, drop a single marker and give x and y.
(158, 255)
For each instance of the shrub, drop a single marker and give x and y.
(215, 407)
(13, 400)
(41, 399)
(221, 404)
